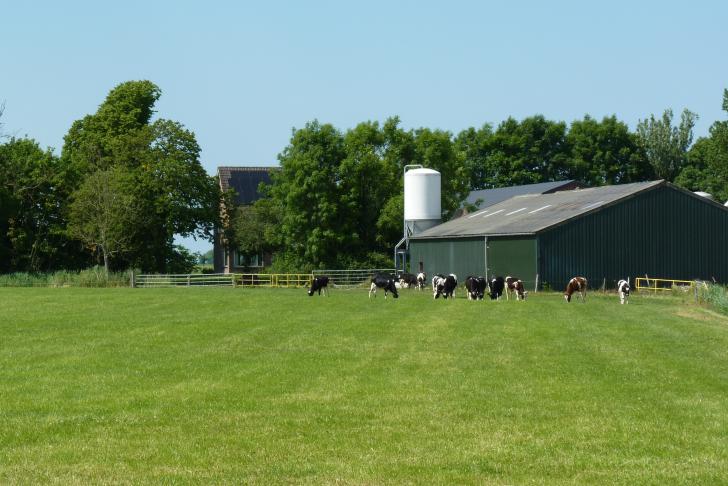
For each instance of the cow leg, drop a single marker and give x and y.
(373, 288)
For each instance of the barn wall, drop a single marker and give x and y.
(663, 233)
(461, 256)
(514, 256)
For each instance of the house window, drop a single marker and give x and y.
(255, 260)
(242, 260)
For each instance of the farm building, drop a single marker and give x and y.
(244, 181)
(604, 233)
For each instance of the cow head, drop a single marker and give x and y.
(392, 288)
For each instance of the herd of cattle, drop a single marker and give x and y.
(475, 287)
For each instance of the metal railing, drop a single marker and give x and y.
(353, 278)
(184, 280)
(285, 280)
(660, 284)
(273, 279)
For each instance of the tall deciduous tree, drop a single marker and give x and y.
(33, 191)
(666, 145)
(307, 188)
(103, 213)
(172, 188)
(605, 152)
(340, 194)
(532, 150)
(707, 167)
(475, 145)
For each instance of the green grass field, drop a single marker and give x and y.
(270, 386)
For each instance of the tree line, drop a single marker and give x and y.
(337, 200)
(124, 184)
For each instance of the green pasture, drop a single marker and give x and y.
(254, 386)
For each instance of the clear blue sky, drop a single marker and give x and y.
(242, 74)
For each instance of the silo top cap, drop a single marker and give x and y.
(422, 172)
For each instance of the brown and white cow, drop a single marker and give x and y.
(514, 284)
(576, 284)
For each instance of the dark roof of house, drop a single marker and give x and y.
(245, 181)
(489, 197)
(532, 213)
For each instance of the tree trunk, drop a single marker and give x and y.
(106, 259)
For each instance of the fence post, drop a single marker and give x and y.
(131, 279)
(535, 288)
(188, 280)
(695, 287)
(232, 280)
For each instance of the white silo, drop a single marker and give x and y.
(422, 204)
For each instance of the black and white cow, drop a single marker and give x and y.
(514, 284)
(496, 286)
(386, 282)
(576, 284)
(319, 283)
(407, 280)
(446, 286)
(623, 290)
(475, 287)
(436, 281)
(421, 279)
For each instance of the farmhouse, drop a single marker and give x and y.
(244, 181)
(604, 233)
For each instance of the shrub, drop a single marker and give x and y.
(716, 296)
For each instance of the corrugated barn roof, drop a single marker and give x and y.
(488, 197)
(532, 213)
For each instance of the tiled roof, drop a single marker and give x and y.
(244, 180)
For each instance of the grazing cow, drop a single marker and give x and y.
(446, 286)
(386, 282)
(421, 279)
(435, 281)
(319, 283)
(576, 284)
(475, 287)
(496, 286)
(514, 284)
(623, 289)
(407, 280)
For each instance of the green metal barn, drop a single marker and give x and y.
(604, 234)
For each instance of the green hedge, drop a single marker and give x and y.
(91, 277)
